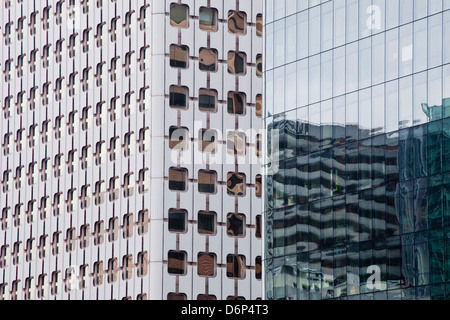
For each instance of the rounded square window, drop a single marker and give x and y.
(207, 100)
(176, 296)
(208, 59)
(237, 22)
(237, 63)
(236, 266)
(206, 297)
(258, 268)
(259, 65)
(259, 25)
(236, 143)
(236, 184)
(236, 103)
(207, 181)
(207, 140)
(177, 262)
(178, 138)
(208, 19)
(258, 224)
(236, 225)
(179, 56)
(258, 107)
(178, 220)
(179, 97)
(258, 186)
(207, 264)
(207, 223)
(179, 15)
(178, 179)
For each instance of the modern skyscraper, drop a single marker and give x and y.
(129, 133)
(357, 194)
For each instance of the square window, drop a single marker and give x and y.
(207, 264)
(178, 178)
(208, 19)
(236, 184)
(237, 22)
(236, 225)
(207, 59)
(178, 138)
(179, 97)
(207, 181)
(237, 63)
(236, 143)
(207, 140)
(179, 15)
(178, 219)
(179, 56)
(206, 222)
(236, 103)
(236, 266)
(177, 262)
(207, 100)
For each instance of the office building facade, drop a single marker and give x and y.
(357, 177)
(129, 133)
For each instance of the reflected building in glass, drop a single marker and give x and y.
(357, 183)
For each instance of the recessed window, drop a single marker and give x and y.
(258, 186)
(236, 103)
(236, 225)
(259, 65)
(258, 145)
(259, 24)
(178, 138)
(178, 178)
(207, 140)
(236, 266)
(179, 97)
(208, 19)
(206, 222)
(236, 184)
(207, 59)
(237, 22)
(178, 219)
(179, 56)
(258, 222)
(207, 100)
(207, 181)
(177, 262)
(206, 264)
(206, 297)
(176, 296)
(258, 268)
(258, 106)
(236, 143)
(179, 15)
(237, 63)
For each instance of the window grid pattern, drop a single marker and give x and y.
(221, 264)
(75, 150)
(361, 114)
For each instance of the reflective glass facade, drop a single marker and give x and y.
(357, 183)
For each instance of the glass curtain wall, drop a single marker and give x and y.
(357, 202)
